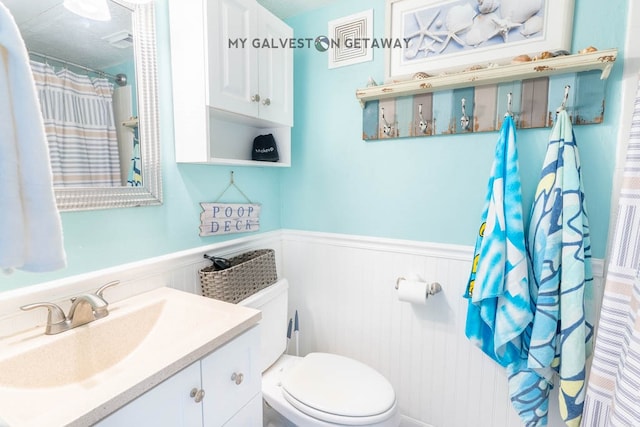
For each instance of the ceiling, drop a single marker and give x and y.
(48, 27)
(284, 9)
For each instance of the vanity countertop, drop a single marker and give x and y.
(181, 328)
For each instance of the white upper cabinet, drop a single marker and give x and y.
(232, 74)
(275, 70)
(250, 72)
(233, 62)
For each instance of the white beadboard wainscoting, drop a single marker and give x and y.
(177, 270)
(344, 290)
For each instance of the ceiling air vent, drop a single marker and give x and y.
(122, 39)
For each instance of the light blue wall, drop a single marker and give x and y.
(105, 238)
(429, 189)
(419, 189)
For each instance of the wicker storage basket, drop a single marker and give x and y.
(248, 273)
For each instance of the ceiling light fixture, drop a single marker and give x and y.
(97, 10)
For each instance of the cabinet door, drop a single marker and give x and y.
(169, 404)
(226, 393)
(189, 68)
(249, 415)
(233, 62)
(275, 69)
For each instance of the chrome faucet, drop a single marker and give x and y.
(84, 308)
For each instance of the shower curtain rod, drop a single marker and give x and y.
(82, 67)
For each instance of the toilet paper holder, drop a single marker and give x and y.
(432, 288)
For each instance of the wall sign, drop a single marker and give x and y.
(229, 218)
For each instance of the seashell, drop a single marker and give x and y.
(459, 18)
(520, 59)
(484, 27)
(532, 25)
(519, 11)
(545, 55)
(474, 68)
(588, 50)
(488, 6)
(371, 82)
(412, 48)
(420, 75)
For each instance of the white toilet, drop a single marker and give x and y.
(319, 389)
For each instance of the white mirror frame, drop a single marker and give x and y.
(150, 193)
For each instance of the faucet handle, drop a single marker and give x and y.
(56, 320)
(103, 288)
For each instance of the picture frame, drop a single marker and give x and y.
(446, 35)
(349, 35)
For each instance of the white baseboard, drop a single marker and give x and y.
(410, 422)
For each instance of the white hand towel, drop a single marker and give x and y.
(30, 227)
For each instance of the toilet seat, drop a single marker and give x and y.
(338, 390)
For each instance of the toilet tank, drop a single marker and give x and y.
(272, 302)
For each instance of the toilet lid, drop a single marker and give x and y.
(335, 385)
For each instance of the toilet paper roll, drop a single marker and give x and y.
(413, 291)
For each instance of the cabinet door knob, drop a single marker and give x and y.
(266, 102)
(237, 377)
(255, 98)
(197, 395)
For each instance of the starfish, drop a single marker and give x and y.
(423, 31)
(459, 20)
(427, 47)
(453, 35)
(504, 27)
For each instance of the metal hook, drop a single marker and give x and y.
(422, 124)
(509, 102)
(464, 120)
(564, 99)
(387, 127)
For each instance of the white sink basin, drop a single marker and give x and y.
(81, 353)
(79, 376)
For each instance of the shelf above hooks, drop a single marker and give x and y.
(476, 101)
(599, 60)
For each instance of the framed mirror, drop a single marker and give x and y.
(139, 155)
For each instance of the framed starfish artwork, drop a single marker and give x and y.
(446, 35)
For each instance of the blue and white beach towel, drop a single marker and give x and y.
(561, 280)
(499, 308)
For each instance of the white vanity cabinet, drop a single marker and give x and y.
(221, 389)
(232, 70)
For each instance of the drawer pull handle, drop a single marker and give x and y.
(266, 102)
(197, 395)
(255, 98)
(237, 377)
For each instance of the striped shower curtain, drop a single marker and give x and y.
(614, 383)
(80, 127)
